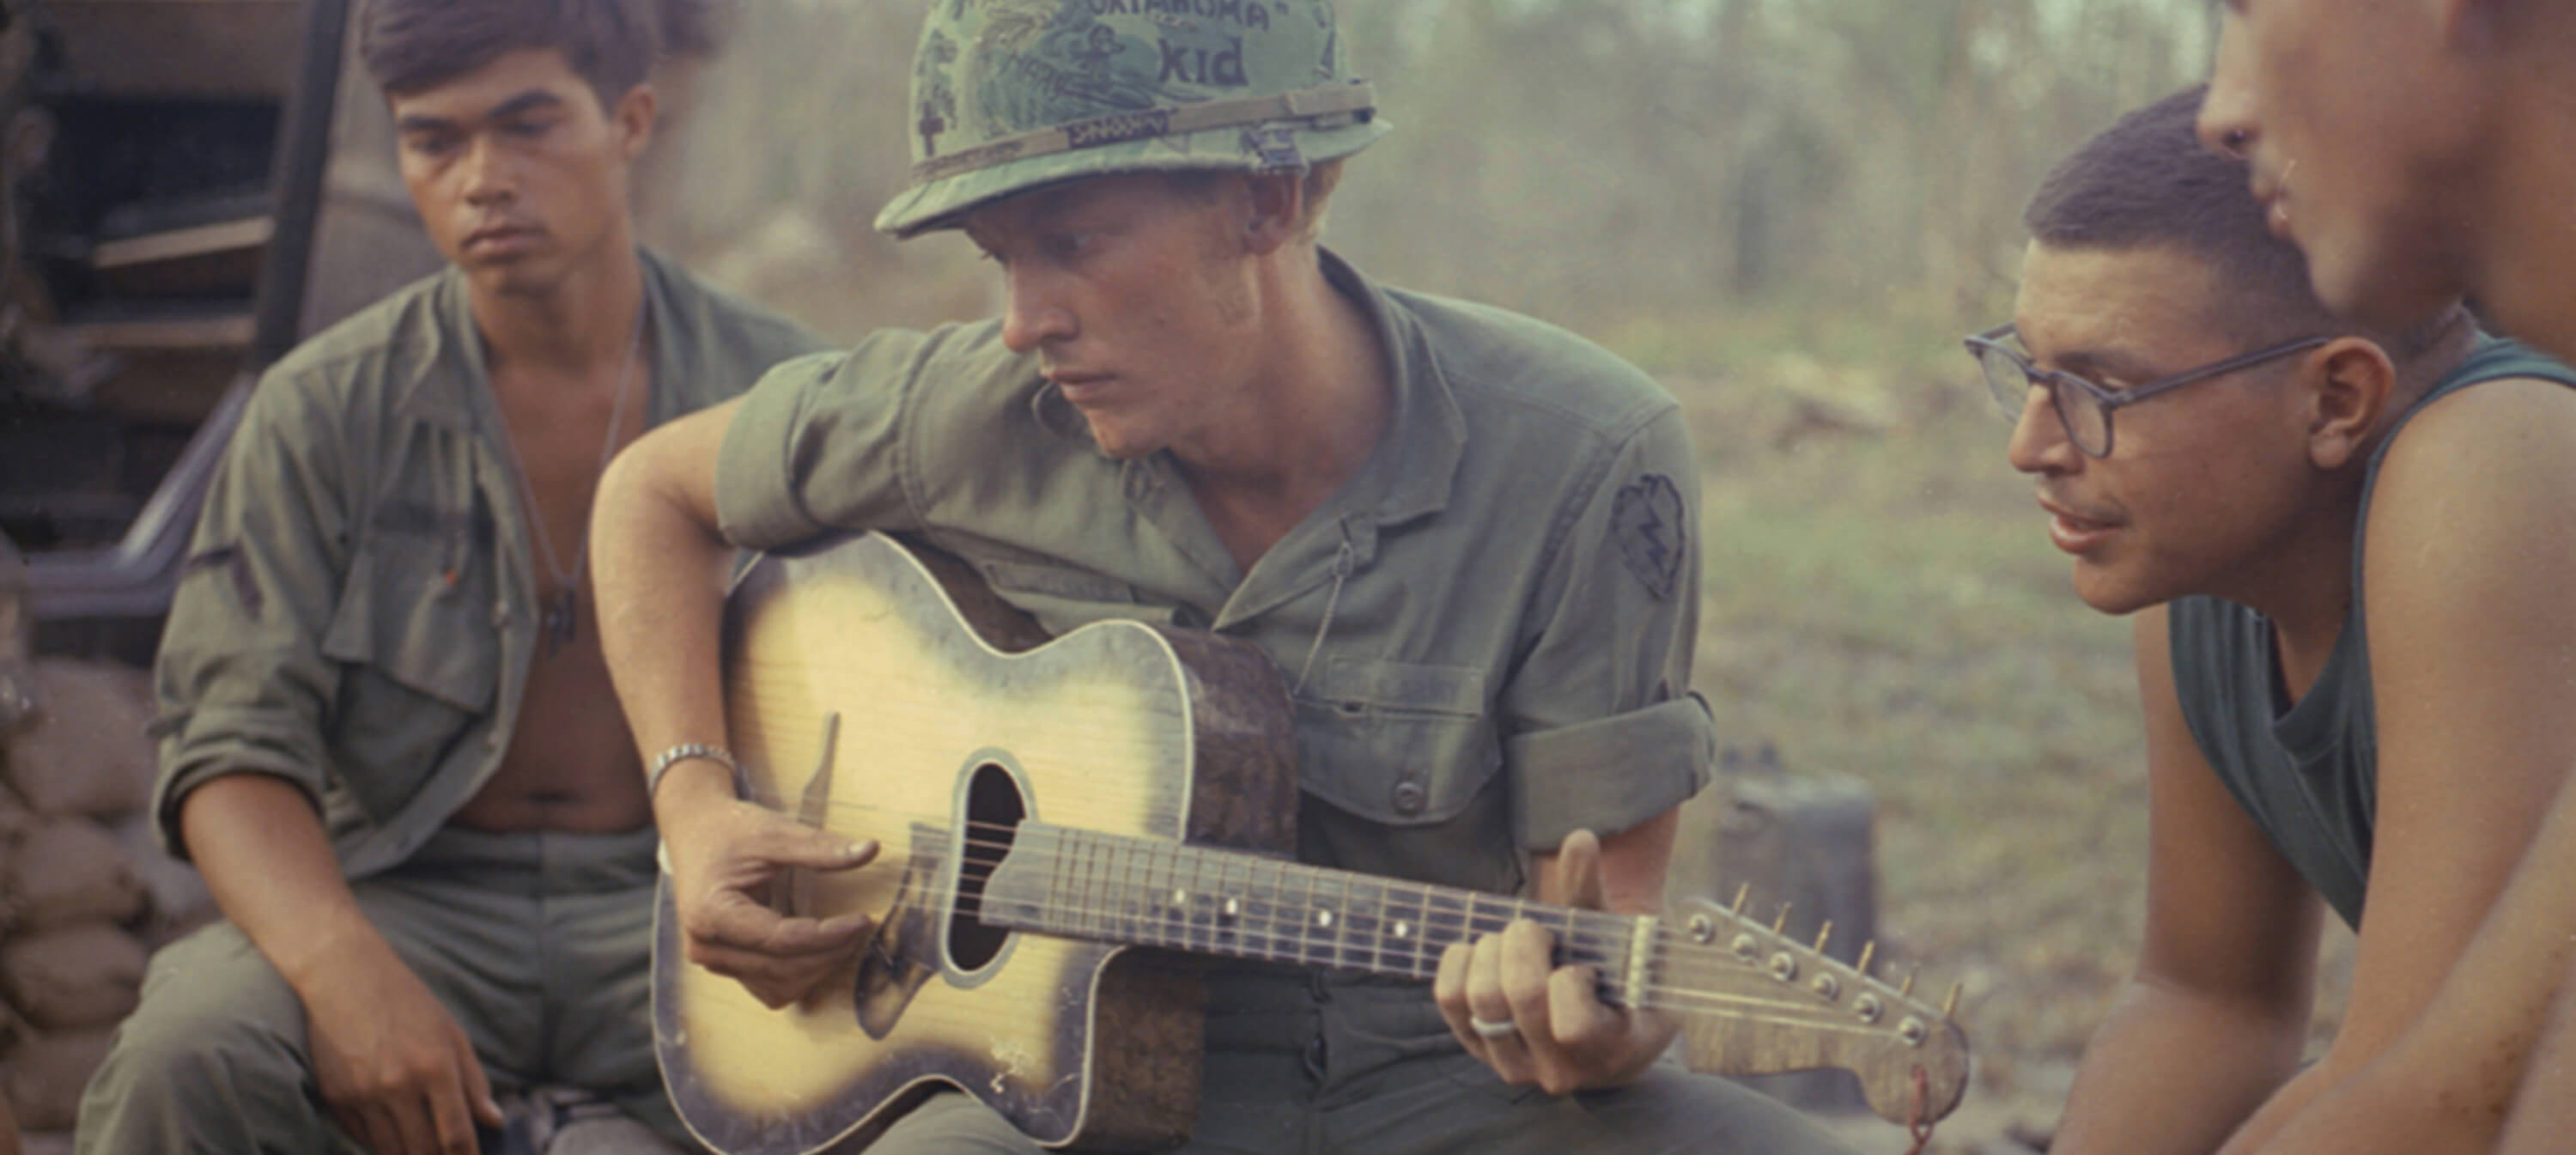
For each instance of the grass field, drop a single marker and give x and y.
(1882, 601)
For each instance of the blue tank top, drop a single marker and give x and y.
(2308, 773)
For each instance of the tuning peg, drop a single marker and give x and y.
(1908, 988)
(1950, 1006)
(1822, 933)
(1783, 919)
(1867, 949)
(1740, 893)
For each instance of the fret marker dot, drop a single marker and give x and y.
(1233, 907)
(1323, 918)
(1180, 897)
(1404, 930)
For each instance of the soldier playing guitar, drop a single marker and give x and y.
(1462, 537)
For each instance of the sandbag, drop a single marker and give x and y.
(17, 677)
(43, 1077)
(179, 901)
(16, 817)
(13, 1031)
(16, 822)
(9, 1129)
(84, 750)
(89, 975)
(69, 870)
(17, 693)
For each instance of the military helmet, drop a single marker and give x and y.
(1008, 95)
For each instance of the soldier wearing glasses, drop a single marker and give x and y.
(2348, 582)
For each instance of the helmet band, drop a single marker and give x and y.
(1329, 106)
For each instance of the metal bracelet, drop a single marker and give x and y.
(663, 762)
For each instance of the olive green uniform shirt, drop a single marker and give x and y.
(2308, 773)
(359, 612)
(1487, 630)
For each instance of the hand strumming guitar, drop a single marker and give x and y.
(724, 854)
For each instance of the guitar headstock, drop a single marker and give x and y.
(1754, 1002)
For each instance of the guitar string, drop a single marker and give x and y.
(1609, 925)
(1295, 940)
(1694, 958)
(1293, 937)
(1605, 925)
(1289, 941)
(1131, 922)
(1592, 925)
(1127, 922)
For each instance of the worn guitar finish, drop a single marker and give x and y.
(1066, 824)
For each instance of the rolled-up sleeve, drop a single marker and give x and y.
(1622, 769)
(241, 683)
(1602, 731)
(816, 446)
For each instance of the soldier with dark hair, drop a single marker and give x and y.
(610, 44)
(1463, 537)
(2338, 543)
(387, 734)
(2418, 152)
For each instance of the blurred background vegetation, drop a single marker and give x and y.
(1597, 162)
(1786, 210)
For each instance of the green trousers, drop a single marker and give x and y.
(538, 943)
(1310, 1065)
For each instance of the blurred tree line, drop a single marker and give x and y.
(1583, 160)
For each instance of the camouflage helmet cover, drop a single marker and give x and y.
(1008, 95)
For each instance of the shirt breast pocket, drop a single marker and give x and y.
(420, 660)
(1398, 743)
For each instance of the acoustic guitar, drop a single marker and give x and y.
(1069, 828)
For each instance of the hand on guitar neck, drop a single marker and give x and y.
(1564, 1038)
(726, 856)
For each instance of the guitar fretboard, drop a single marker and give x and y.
(1146, 892)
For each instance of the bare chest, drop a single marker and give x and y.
(560, 434)
(571, 764)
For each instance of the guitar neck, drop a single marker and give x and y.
(1144, 892)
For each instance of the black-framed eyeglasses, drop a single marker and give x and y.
(2083, 407)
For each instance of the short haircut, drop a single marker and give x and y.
(2147, 182)
(411, 45)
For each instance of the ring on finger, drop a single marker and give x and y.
(1492, 1030)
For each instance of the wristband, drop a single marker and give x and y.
(683, 752)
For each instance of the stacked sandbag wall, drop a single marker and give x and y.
(85, 892)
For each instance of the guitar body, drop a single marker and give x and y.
(883, 693)
(1064, 826)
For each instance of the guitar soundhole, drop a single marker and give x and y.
(994, 810)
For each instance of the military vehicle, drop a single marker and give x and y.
(172, 218)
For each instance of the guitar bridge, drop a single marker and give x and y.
(900, 957)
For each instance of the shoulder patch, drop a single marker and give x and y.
(1648, 523)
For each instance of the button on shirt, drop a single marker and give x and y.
(1487, 632)
(351, 620)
